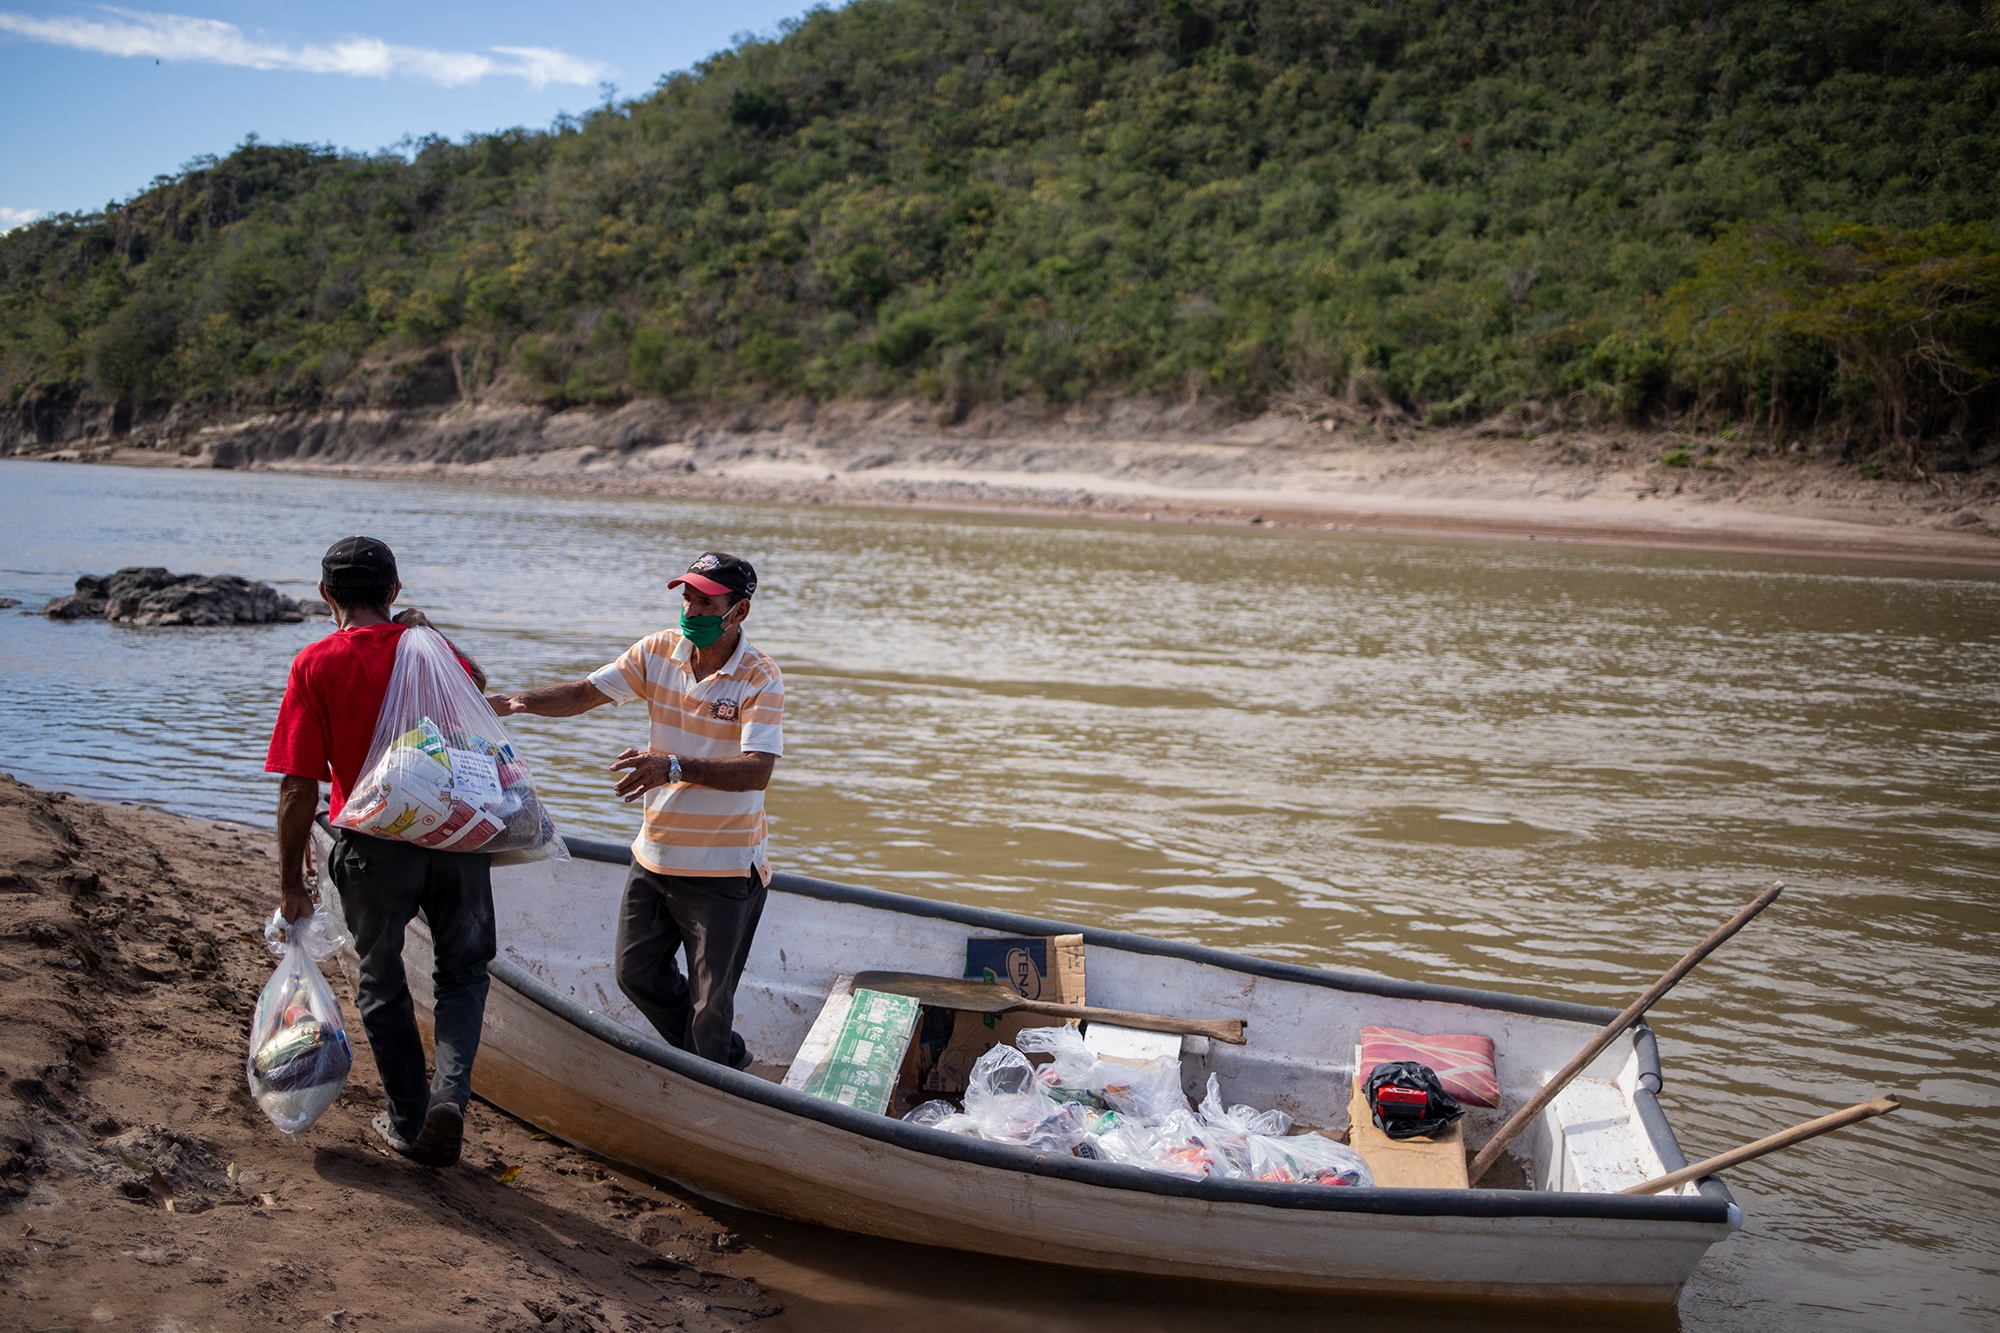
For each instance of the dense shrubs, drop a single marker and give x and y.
(1888, 332)
(1779, 212)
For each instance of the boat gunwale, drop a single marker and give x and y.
(1712, 1205)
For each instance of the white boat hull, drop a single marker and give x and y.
(571, 1066)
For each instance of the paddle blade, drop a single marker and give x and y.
(979, 997)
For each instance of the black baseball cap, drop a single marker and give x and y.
(358, 562)
(719, 574)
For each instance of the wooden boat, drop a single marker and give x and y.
(564, 1050)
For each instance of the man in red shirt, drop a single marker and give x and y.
(324, 729)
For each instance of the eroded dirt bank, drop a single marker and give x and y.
(1315, 464)
(128, 961)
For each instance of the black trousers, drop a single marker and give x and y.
(713, 918)
(383, 885)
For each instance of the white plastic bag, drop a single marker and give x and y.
(1250, 1144)
(1307, 1159)
(1003, 1099)
(1111, 1112)
(1150, 1093)
(441, 772)
(1147, 1093)
(940, 1114)
(1073, 1073)
(299, 1054)
(1071, 1063)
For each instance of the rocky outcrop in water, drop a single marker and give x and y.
(149, 595)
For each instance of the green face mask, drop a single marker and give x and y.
(701, 631)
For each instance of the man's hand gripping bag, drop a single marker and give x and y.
(441, 772)
(299, 1056)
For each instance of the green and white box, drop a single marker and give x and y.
(856, 1049)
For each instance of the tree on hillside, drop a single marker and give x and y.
(1447, 207)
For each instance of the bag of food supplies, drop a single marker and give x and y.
(441, 772)
(1110, 1112)
(299, 1056)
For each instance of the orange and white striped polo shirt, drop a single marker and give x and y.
(690, 830)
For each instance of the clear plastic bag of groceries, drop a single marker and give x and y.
(1307, 1159)
(1149, 1094)
(1073, 1072)
(1003, 1098)
(1258, 1145)
(441, 772)
(299, 1055)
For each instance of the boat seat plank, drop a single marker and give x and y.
(1436, 1163)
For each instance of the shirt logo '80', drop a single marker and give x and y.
(723, 710)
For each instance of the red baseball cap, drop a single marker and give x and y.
(719, 574)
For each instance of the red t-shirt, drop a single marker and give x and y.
(332, 699)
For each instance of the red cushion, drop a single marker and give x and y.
(1464, 1063)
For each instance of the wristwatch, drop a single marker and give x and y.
(674, 769)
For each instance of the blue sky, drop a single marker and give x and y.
(98, 99)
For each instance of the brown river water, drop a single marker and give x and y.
(1539, 768)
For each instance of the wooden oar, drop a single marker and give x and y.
(985, 997)
(1564, 1076)
(1784, 1138)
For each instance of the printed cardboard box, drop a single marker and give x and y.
(865, 1054)
(1041, 967)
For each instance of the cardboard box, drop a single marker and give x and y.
(857, 1048)
(1041, 967)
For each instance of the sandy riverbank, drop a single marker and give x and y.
(128, 961)
(1309, 466)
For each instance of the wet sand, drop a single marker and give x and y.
(129, 960)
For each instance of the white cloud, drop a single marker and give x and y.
(11, 218)
(179, 37)
(540, 65)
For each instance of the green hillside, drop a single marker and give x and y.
(1779, 213)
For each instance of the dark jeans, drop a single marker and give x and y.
(714, 917)
(384, 884)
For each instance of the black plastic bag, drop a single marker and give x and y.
(1417, 1104)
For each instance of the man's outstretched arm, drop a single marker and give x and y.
(645, 770)
(564, 700)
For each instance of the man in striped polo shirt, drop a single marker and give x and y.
(699, 869)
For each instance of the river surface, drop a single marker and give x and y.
(1524, 766)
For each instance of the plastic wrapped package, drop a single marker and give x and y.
(1071, 1063)
(440, 770)
(941, 1114)
(1307, 1159)
(1003, 1097)
(1148, 1092)
(1029, 1119)
(1241, 1119)
(1151, 1093)
(1109, 1112)
(1063, 1130)
(1173, 1146)
(1259, 1145)
(1226, 1131)
(299, 1054)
